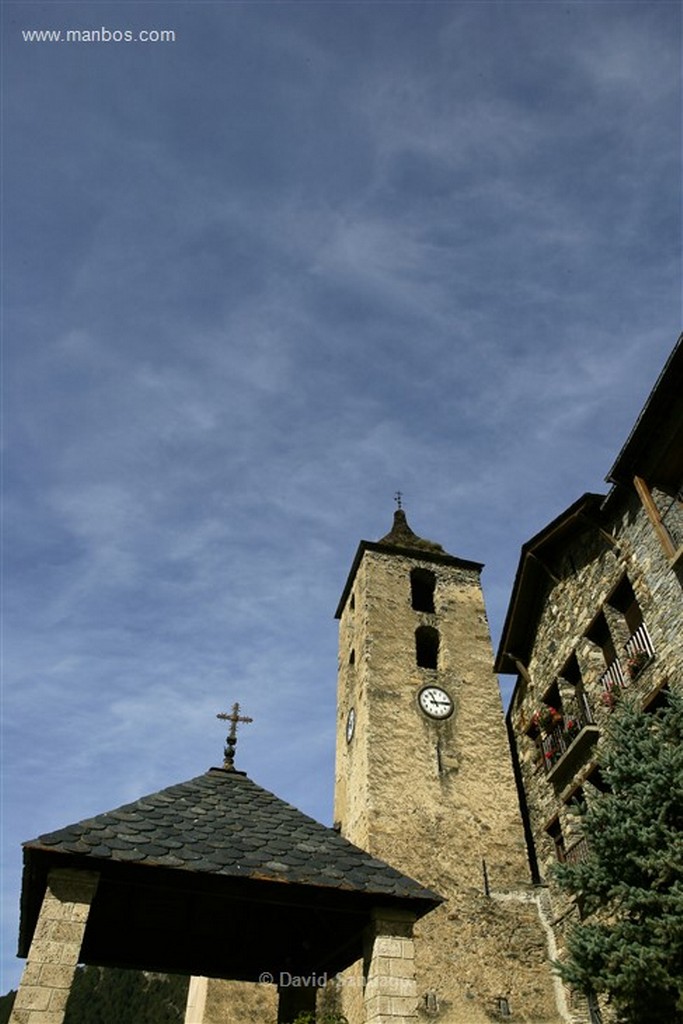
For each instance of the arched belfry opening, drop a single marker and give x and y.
(422, 587)
(427, 646)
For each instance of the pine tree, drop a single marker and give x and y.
(115, 996)
(629, 889)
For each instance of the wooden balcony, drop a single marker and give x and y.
(566, 744)
(578, 852)
(612, 677)
(638, 653)
(576, 753)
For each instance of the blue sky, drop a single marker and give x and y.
(255, 281)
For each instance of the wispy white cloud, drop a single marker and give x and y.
(328, 253)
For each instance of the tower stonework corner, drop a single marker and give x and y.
(424, 778)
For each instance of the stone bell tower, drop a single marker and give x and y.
(424, 778)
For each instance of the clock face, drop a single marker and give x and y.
(350, 724)
(435, 702)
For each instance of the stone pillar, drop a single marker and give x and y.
(391, 989)
(196, 1000)
(55, 948)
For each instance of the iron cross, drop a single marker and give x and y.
(231, 740)
(398, 498)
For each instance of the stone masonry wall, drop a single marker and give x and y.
(437, 799)
(55, 949)
(236, 1002)
(590, 568)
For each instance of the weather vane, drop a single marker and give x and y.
(231, 740)
(398, 498)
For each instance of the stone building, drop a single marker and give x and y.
(596, 611)
(219, 878)
(424, 780)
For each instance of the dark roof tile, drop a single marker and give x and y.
(100, 851)
(222, 823)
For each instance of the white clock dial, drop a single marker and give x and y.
(435, 702)
(350, 724)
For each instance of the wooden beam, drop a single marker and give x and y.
(610, 538)
(653, 515)
(543, 565)
(520, 666)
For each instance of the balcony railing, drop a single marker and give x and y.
(639, 642)
(585, 707)
(612, 676)
(557, 740)
(578, 852)
(638, 652)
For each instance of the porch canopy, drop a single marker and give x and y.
(218, 877)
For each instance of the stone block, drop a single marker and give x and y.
(33, 997)
(79, 911)
(20, 1016)
(46, 952)
(32, 973)
(400, 968)
(56, 975)
(377, 985)
(386, 945)
(371, 1008)
(378, 1007)
(404, 987)
(43, 929)
(58, 999)
(67, 932)
(404, 1008)
(407, 949)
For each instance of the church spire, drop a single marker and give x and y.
(401, 536)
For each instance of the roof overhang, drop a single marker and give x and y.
(533, 572)
(158, 919)
(654, 448)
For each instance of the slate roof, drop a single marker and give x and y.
(528, 590)
(654, 448)
(401, 536)
(223, 824)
